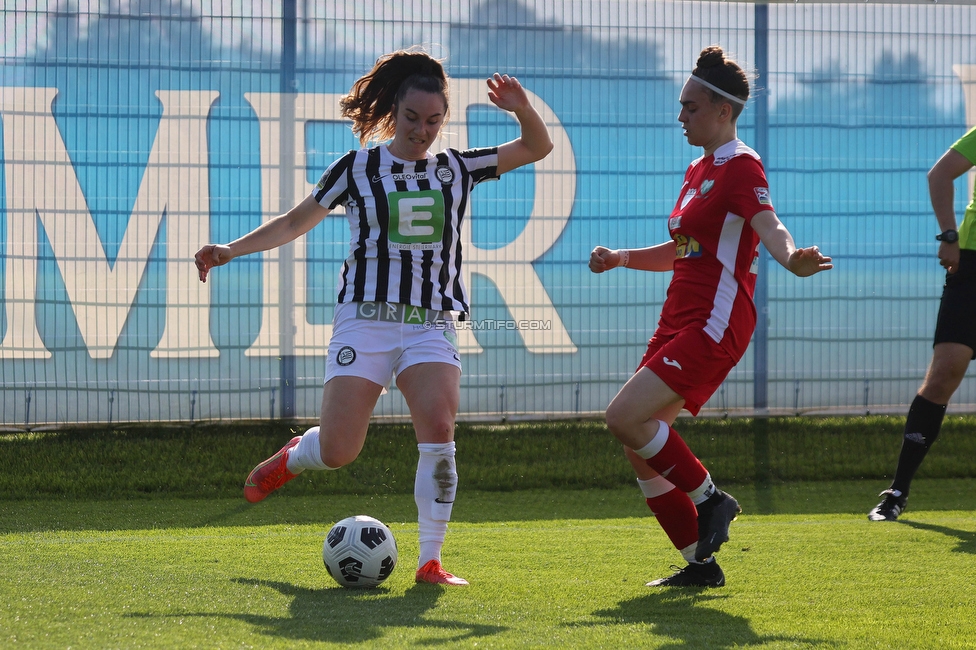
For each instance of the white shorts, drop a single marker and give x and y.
(379, 340)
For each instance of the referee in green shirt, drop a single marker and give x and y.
(955, 330)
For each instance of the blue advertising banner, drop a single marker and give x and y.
(129, 139)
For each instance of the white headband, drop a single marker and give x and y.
(713, 88)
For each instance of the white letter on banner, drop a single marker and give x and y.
(41, 182)
(310, 339)
(177, 180)
(28, 127)
(510, 267)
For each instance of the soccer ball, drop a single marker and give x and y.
(359, 552)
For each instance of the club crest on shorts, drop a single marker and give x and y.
(345, 356)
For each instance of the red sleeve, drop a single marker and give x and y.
(750, 193)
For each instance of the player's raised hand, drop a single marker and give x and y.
(210, 256)
(805, 262)
(506, 92)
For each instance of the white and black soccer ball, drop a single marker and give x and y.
(359, 552)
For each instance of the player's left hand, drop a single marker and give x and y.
(949, 256)
(805, 262)
(506, 92)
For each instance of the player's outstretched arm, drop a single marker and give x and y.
(271, 234)
(802, 262)
(653, 258)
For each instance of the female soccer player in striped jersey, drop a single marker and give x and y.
(400, 287)
(723, 211)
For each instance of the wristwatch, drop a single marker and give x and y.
(948, 236)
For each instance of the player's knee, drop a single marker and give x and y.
(338, 457)
(438, 431)
(619, 421)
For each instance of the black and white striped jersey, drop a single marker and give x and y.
(405, 223)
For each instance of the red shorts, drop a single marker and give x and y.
(690, 363)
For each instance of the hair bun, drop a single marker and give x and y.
(711, 56)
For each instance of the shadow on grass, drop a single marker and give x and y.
(348, 616)
(967, 539)
(682, 616)
(829, 497)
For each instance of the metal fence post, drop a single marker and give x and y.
(289, 48)
(760, 381)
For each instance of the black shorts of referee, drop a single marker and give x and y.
(957, 311)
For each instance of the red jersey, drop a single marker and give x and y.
(717, 249)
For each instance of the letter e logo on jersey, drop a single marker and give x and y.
(762, 195)
(416, 220)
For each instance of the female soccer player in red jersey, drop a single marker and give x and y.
(723, 212)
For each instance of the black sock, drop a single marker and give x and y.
(921, 429)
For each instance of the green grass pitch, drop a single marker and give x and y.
(547, 569)
(140, 538)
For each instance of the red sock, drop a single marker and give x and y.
(676, 463)
(677, 516)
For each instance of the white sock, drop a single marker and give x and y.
(654, 487)
(307, 454)
(701, 494)
(434, 491)
(656, 443)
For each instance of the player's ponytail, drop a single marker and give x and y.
(372, 101)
